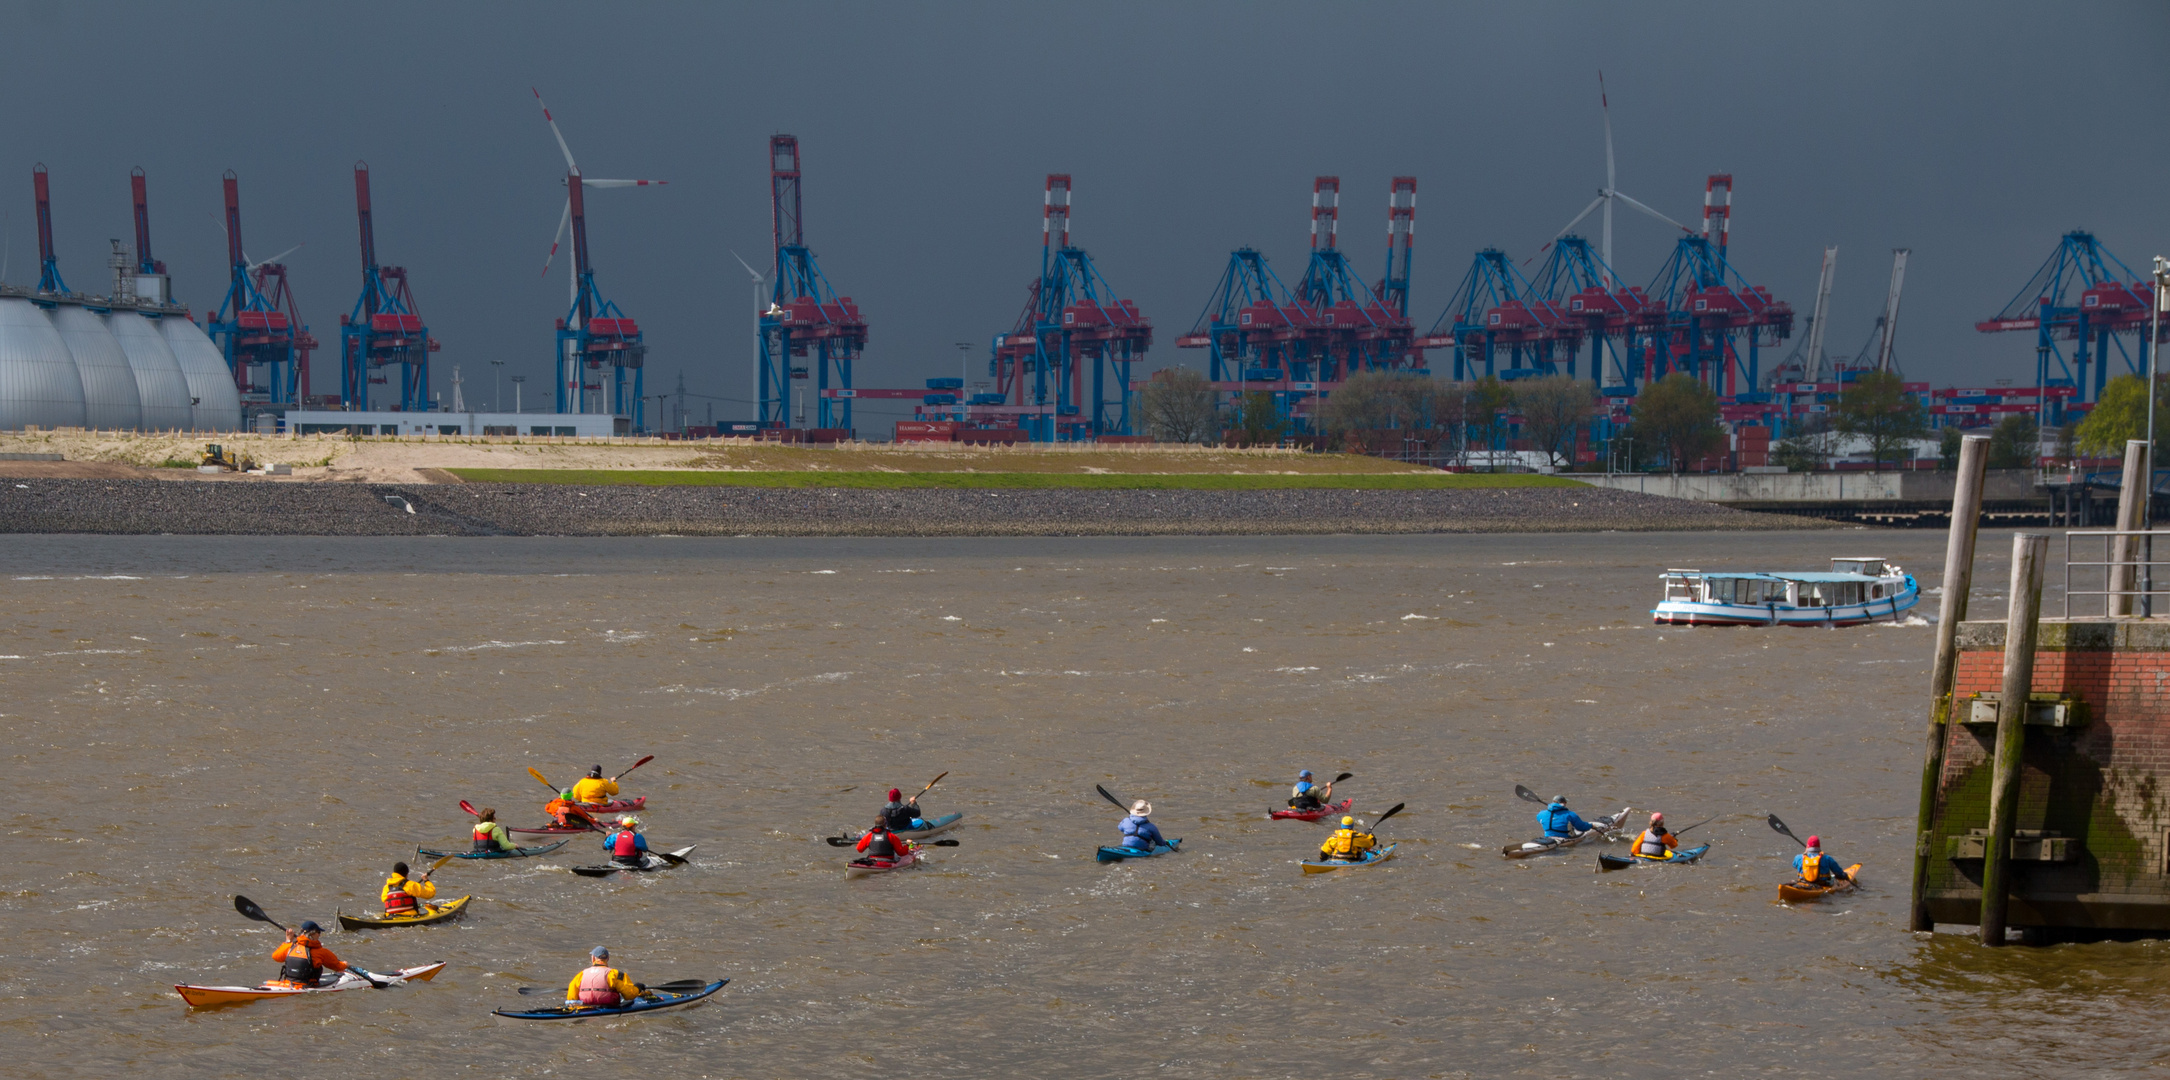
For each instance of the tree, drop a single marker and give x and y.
(1679, 414)
(2015, 443)
(1488, 397)
(1807, 444)
(1552, 407)
(1177, 406)
(2121, 414)
(1878, 408)
(1947, 450)
(1258, 419)
(1376, 411)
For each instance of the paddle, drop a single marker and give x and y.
(630, 768)
(1119, 804)
(675, 986)
(1526, 795)
(433, 866)
(537, 774)
(1780, 828)
(1381, 819)
(249, 910)
(1705, 821)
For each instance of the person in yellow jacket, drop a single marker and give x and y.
(595, 789)
(1347, 844)
(600, 985)
(403, 895)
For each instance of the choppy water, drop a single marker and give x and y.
(188, 718)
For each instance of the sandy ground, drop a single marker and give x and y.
(316, 458)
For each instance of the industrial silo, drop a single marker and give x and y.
(217, 405)
(159, 382)
(38, 380)
(111, 401)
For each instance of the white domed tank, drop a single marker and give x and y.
(110, 399)
(38, 383)
(218, 402)
(159, 382)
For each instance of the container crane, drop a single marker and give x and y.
(151, 283)
(385, 328)
(1071, 320)
(805, 317)
(257, 333)
(1576, 281)
(2085, 295)
(1711, 310)
(594, 335)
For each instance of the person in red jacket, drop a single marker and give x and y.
(882, 845)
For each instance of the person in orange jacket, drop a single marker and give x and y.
(1657, 842)
(303, 959)
(568, 813)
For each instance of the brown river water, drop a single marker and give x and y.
(190, 718)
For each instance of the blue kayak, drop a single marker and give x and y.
(1118, 854)
(498, 853)
(649, 1003)
(1622, 862)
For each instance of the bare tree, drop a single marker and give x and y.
(1177, 406)
(1552, 407)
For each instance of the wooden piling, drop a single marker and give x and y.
(2029, 552)
(2131, 494)
(1966, 520)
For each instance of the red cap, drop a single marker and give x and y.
(1655, 818)
(1814, 841)
(894, 795)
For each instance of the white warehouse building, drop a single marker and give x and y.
(88, 361)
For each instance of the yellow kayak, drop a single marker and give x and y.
(430, 913)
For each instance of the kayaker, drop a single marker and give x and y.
(594, 789)
(403, 895)
(1656, 842)
(1307, 795)
(567, 813)
(1347, 844)
(1813, 868)
(599, 985)
(880, 843)
(1139, 832)
(902, 814)
(1560, 822)
(627, 846)
(303, 959)
(489, 835)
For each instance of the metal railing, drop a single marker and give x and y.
(2140, 585)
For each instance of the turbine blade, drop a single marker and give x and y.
(565, 221)
(1605, 106)
(552, 121)
(1661, 217)
(585, 182)
(1578, 219)
(757, 277)
(276, 258)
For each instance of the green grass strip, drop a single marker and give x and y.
(1094, 481)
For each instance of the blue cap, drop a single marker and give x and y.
(309, 926)
(599, 952)
(1304, 774)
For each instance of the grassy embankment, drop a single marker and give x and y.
(1423, 481)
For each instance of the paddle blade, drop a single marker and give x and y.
(945, 843)
(680, 986)
(838, 841)
(470, 808)
(1780, 828)
(537, 774)
(931, 783)
(249, 910)
(1119, 804)
(433, 866)
(1343, 776)
(1526, 795)
(375, 983)
(1381, 819)
(634, 766)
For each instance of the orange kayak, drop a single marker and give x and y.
(1799, 893)
(204, 996)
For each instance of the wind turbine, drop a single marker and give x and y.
(1608, 194)
(565, 219)
(760, 282)
(254, 263)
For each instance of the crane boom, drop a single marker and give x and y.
(1814, 352)
(1891, 308)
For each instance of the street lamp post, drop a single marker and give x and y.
(516, 381)
(2147, 487)
(497, 385)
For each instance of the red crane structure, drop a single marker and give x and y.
(805, 317)
(2085, 295)
(385, 328)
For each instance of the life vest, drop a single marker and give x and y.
(1304, 795)
(300, 967)
(880, 847)
(485, 837)
(622, 846)
(898, 815)
(398, 901)
(595, 988)
(1558, 820)
(1652, 843)
(1347, 843)
(1811, 866)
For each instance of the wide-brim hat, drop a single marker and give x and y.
(1142, 808)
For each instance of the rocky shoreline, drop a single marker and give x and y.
(129, 506)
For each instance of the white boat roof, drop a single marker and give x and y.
(1806, 575)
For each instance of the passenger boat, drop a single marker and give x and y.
(1855, 590)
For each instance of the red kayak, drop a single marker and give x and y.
(615, 806)
(1310, 815)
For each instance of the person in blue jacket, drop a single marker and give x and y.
(1561, 823)
(1139, 833)
(627, 846)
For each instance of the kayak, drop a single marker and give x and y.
(1622, 862)
(552, 830)
(1285, 814)
(858, 868)
(1545, 844)
(431, 913)
(935, 827)
(614, 806)
(1371, 858)
(649, 861)
(516, 853)
(647, 1003)
(1118, 854)
(1798, 893)
(199, 997)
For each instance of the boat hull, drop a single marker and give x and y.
(1798, 893)
(1118, 854)
(1622, 862)
(516, 853)
(1311, 815)
(660, 1001)
(202, 997)
(1371, 858)
(433, 913)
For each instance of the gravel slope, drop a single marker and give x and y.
(50, 505)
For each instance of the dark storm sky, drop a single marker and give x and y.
(1973, 133)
